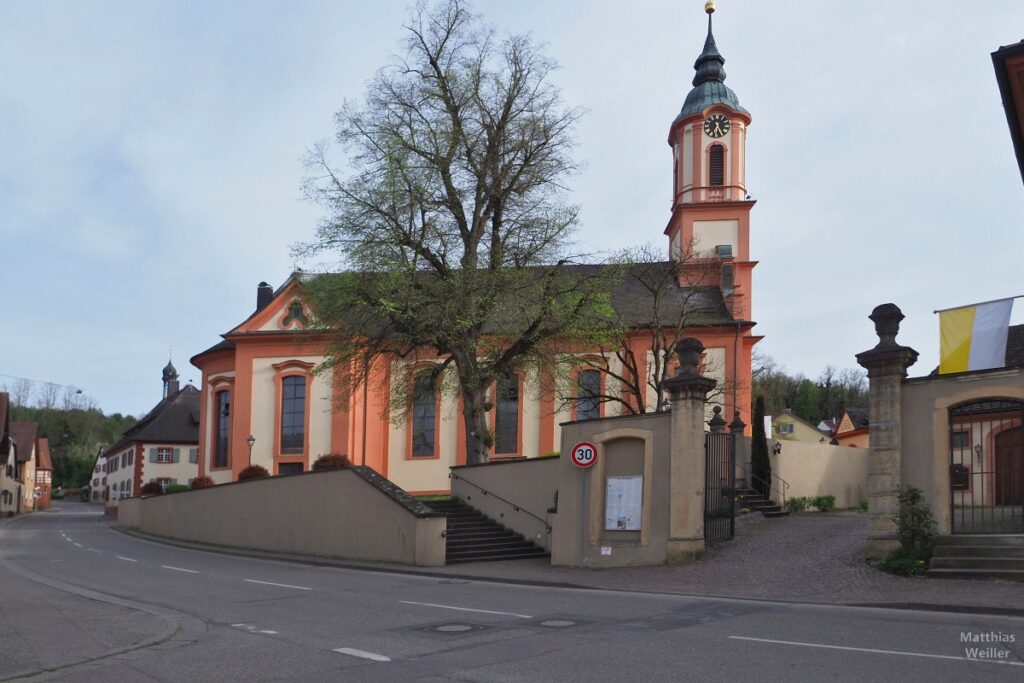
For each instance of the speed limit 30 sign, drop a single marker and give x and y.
(584, 454)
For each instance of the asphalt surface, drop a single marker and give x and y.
(82, 602)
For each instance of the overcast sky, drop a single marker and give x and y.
(151, 162)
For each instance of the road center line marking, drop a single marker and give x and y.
(179, 569)
(282, 585)
(93, 550)
(880, 652)
(352, 652)
(466, 609)
(79, 545)
(126, 559)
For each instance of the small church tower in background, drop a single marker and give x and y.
(170, 380)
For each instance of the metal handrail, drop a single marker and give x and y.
(547, 527)
(785, 484)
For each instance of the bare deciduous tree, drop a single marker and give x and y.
(451, 220)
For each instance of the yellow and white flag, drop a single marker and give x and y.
(974, 337)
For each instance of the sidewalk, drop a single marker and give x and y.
(804, 558)
(816, 558)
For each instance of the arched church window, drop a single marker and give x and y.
(716, 165)
(424, 415)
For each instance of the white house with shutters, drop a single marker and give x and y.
(162, 447)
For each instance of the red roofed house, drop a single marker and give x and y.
(24, 435)
(44, 474)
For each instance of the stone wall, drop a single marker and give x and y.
(350, 514)
(813, 469)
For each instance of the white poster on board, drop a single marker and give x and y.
(624, 502)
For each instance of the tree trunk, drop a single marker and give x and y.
(474, 415)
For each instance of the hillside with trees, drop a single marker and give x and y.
(73, 424)
(813, 400)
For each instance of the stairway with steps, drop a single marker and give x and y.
(474, 537)
(749, 498)
(978, 556)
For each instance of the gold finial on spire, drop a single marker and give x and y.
(709, 6)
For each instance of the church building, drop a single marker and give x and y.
(262, 402)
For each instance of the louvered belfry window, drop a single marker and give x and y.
(716, 165)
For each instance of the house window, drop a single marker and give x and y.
(165, 455)
(163, 481)
(222, 428)
(289, 468)
(131, 457)
(293, 414)
(424, 412)
(588, 404)
(960, 440)
(506, 417)
(785, 428)
(124, 460)
(716, 165)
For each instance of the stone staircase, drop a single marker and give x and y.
(474, 537)
(980, 556)
(747, 497)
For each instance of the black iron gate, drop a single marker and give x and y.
(719, 487)
(986, 467)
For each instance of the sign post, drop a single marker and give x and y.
(584, 454)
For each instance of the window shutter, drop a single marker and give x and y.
(176, 455)
(152, 455)
(193, 455)
(716, 167)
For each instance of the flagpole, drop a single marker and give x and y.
(980, 303)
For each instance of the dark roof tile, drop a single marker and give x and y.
(24, 435)
(174, 420)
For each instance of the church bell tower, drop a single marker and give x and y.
(709, 231)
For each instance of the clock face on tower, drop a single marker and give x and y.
(716, 125)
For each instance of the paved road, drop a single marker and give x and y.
(81, 602)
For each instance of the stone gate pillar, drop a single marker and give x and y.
(741, 453)
(887, 365)
(688, 390)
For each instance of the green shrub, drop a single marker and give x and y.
(916, 525)
(798, 504)
(175, 488)
(904, 563)
(916, 534)
(824, 503)
(253, 472)
(551, 454)
(332, 461)
(202, 483)
(863, 505)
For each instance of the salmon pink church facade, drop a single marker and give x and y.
(262, 403)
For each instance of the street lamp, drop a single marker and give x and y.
(251, 440)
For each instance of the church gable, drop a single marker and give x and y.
(285, 312)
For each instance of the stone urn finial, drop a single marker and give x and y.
(717, 422)
(690, 351)
(887, 319)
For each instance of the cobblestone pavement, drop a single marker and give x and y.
(806, 558)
